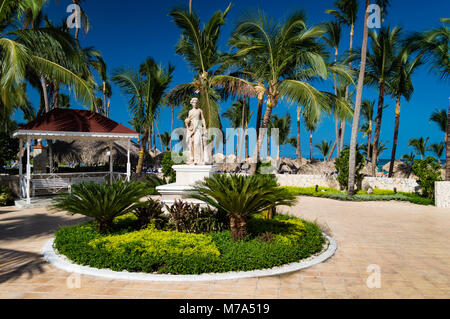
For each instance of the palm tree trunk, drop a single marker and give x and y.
(359, 93)
(378, 129)
(171, 127)
(447, 164)
(190, 6)
(311, 146)
(369, 141)
(299, 149)
(260, 139)
(45, 94)
(241, 143)
(160, 138)
(142, 152)
(258, 116)
(394, 146)
(104, 100)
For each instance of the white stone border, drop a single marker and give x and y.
(62, 262)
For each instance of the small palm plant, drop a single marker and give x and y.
(324, 149)
(409, 158)
(419, 145)
(239, 197)
(101, 201)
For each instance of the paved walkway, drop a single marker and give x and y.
(409, 244)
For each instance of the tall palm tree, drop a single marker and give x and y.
(440, 117)
(165, 140)
(438, 150)
(28, 49)
(234, 115)
(199, 47)
(409, 158)
(419, 145)
(145, 88)
(359, 93)
(346, 13)
(311, 126)
(290, 57)
(333, 39)
(367, 112)
(402, 86)
(298, 139)
(324, 149)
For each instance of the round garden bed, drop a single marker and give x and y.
(270, 244)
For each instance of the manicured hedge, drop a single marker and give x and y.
(361, 196)
(270, 243)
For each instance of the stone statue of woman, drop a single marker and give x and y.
(196, 132)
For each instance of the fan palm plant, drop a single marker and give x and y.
(438, 150)
(146, 89)
(419, 145)
(402, 86)
(289, 56)
(101, 201)
(324, 149)
(240, 197)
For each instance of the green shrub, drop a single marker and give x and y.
(152, 182)
(342, 163)
(102, 201)
(6, 196)
(150, 250)
(428, 172)
(9, 147)
(190, 218)
(167, 169)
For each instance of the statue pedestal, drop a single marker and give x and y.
(187, 176)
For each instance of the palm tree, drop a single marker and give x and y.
(234, 115)
(145, 89)
(382, 63)
(298, 139)
(401, 86)
(438, 150)
(289, 57)
(324, 149)
(165, 140)
(36, 50)
(359, 93)
(333, 39)
(419, 145)
(346, 14)
(199, 47)
(283, 124)
(311, 126)
(440, 117)
(367, 112)
(409, 158)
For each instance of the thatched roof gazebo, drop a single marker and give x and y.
(84, 127)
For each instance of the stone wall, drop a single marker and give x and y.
(12, 182)
(442, 194)
(401, 184)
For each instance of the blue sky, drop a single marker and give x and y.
(126, 32)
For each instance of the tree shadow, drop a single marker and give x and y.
(14, 263)
(35, 225)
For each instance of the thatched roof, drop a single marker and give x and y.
(95, 152)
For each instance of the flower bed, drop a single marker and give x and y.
(269, 243)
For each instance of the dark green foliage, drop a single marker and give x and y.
(6, 196)
(9, 148)
(342, 163)
(190, 218)
(103, 202)
(152, 250)
(428, 172)
(151, 213)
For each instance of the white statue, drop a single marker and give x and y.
(196, 134)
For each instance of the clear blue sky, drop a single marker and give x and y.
(126, 32)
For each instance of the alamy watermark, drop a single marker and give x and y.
(374, 279)
(374, 19)
(74, 19)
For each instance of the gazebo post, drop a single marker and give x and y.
(111, 167)
(128, 161)
(21, 194)
(28, 171)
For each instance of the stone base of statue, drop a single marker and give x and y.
(187, 176)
